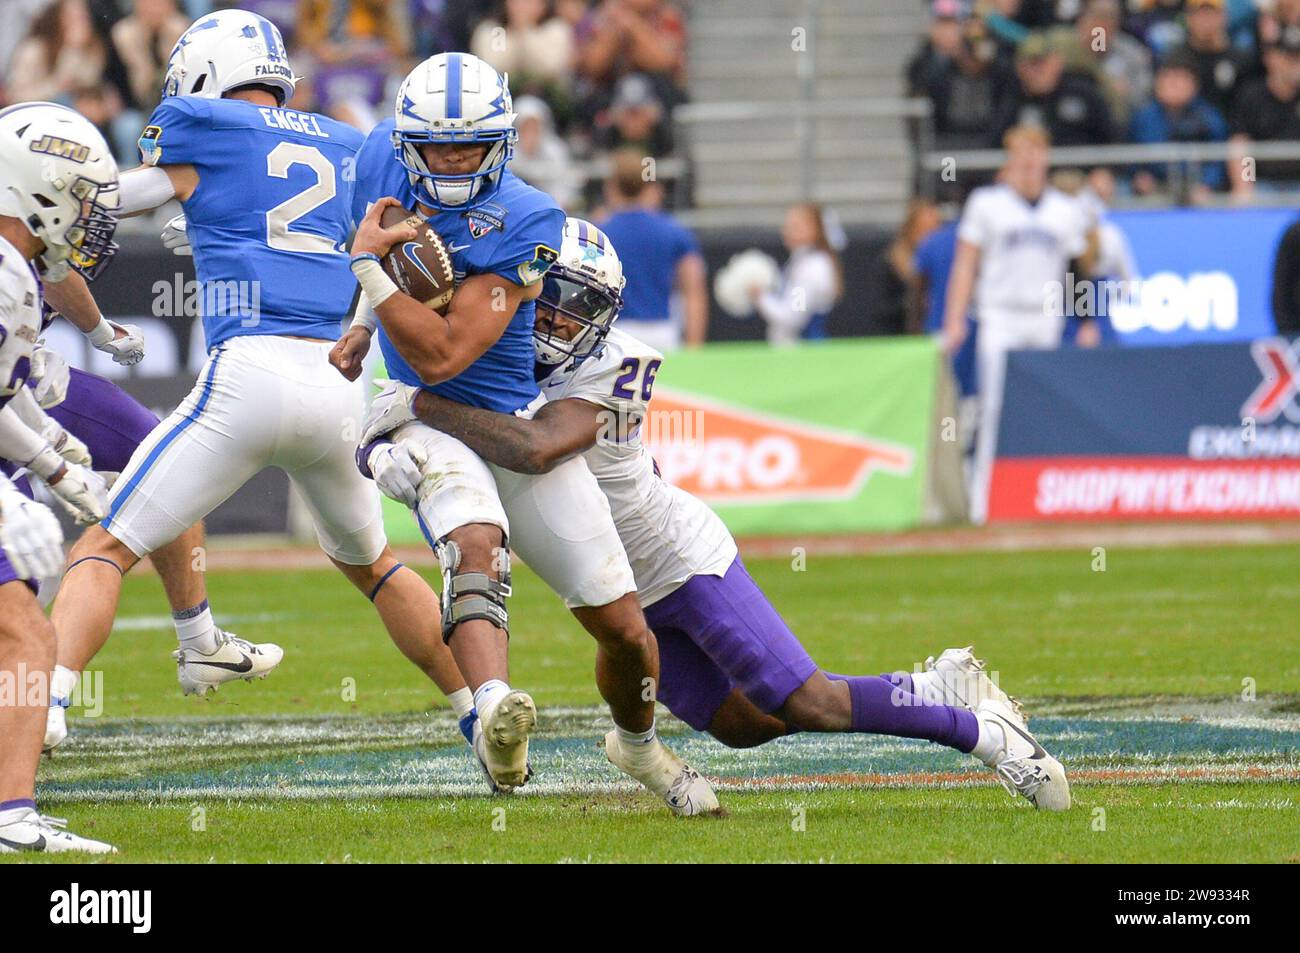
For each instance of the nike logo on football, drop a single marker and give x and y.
(243, 665)
(38, 844)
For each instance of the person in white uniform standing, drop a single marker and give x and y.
(1016, 243)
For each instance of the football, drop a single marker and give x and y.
(421, 268)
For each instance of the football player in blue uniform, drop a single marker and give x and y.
(265, 190)
(444, 155)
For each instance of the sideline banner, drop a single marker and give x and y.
(1200, 432)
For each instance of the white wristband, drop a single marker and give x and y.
(102, 333)
(364, 318)
(374, 282)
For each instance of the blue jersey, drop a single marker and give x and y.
(270, 218)
(650, 244)
(516, 235)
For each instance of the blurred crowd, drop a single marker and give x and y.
(1098, 72)
(589, 77)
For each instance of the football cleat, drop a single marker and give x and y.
(56, 724)
(472, 729)
(682, 788)
(40, 834)
(504, 729)
(1020, 762)
(234, 658)
(964, 683)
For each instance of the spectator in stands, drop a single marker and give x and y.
(338, 32)
(523, 38)
(635, 120)
(1219, 65)
(1268, 109)
(618, 37)
(811, 281)
(144, 41)
(1121, 64)
(1157, 23)
(972, 89)
(1286, 283)
(896, 274)
(660, 257)
(15, 19)
(929, 292)
(1070, 106)
(1275, 17)
(62, 54)
(541, 157)
(1179, 114)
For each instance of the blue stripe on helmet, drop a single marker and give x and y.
(453, 85)
(272, 45)
(582, 232)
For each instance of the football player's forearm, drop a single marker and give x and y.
(18, 442)
(144, 189)
(71, 297)
(421, 336)
(508, 441)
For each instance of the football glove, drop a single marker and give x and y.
(176, 236)
(30, 536)
(49, 378)
(81, 490)
(398, 470)
(126, 350)
(390, 409)
(65, 444)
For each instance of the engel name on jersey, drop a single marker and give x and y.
(20, 319)
(1025, 247)
(270, 219)
(669, 535)
(515, 235)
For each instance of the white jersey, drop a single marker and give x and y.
(668, 534)
(1025, 249)
(20, 319)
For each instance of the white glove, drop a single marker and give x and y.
(65, 444)
(127, 350)
(176, 236)
(389, 410)
(83, 493)
(49, 378)
(397, 468)
(30, 536)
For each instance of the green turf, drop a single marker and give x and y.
(300, 755)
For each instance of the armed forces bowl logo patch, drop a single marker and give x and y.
(483, 219)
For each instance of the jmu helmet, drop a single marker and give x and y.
(585, 285)
(226, 50)
(60, 180)
(454, 97)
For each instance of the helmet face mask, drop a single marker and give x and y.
(454, 98)
(62, 184)
(584, 288)
(581, 300)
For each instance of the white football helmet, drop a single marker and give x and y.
(225, 50)
(585, 285)
(60, 180)
(454, 97)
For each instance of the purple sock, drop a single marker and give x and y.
(883, 708)
(15, 804)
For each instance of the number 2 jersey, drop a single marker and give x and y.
(514, 235)
(270, 219)
(669, 535)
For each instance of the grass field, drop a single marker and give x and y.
(1169, 684)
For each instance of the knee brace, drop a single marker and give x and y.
(487, 596)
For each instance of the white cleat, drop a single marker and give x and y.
(503, 739)
(964, 683)
(477, 744)
(1020, 762)
(682, 788)
(56, 725)
(40, 834)
(233, 659)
